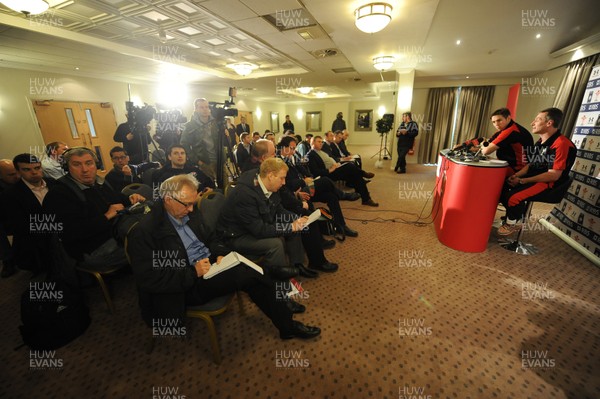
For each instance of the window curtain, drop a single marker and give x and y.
(440, 111)
(473, 118)
(571, 91)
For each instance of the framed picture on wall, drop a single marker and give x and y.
(363, 120)
(313, 121)
(275, 122)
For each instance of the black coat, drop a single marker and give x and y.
(29, 225)
(162, 289)
(85, 227)
(316, 164)
(248, 212)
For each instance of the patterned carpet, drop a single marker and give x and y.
(405, 317)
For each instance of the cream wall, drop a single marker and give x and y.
(19, 132)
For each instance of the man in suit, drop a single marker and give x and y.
(339, 123)
(300, 180)
(174, 234)
(254, 221)
(87, 207)
(242, 152)
(242, 127)
(25, 217)
(288, 124)
(321, 164)
(8, 177)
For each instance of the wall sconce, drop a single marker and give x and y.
(383, 63)
(373, 17)
(243, 68)
(27, 7)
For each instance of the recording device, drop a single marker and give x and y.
(464, 148)
(169, 125)
(220, 111)
(138, 118)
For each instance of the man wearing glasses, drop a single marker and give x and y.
(171, 251)
(86, 210)
(123, 173)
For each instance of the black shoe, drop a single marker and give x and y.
(367, 181)
(370, 202)
(368, 175)
(349, 232)
(284, 273)
(300, 330)
(351, 196)
(401, 171)
(328, 244)
(304, 272)
(8, 270)
(295, 307)
(326, 267)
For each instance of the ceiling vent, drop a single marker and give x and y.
(343, 70)
(329, 52)
(284, 20)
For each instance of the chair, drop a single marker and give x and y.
(210, 205)
(98, 272)
(67, 263)
(552, 196)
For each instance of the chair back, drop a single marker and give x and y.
(147, 176)
(137, 188)
(210, 207)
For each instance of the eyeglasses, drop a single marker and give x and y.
(184, 204)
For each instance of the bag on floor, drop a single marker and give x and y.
(53, 314)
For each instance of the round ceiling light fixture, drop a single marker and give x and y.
(373, 17)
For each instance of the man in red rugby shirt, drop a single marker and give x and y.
(550, 161)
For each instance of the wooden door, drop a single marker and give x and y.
(90, 125)
(249, 121)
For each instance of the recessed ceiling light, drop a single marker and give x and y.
(538, 35)
(468, 77)
(77, 68)
(458, 42)
(304, 90)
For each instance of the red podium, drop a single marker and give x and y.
(465, 201)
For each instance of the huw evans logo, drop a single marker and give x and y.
(166, 393)
(413, 258)
(537, 19)
(165, 327)
(44, 223)
(406, 392)
(413, 327)
(290, 359)
(44, 291)
(167, 259)
(44, 86)
(44, 360)
(536, 359)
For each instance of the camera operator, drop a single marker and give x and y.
(134, 134)
(200, 138)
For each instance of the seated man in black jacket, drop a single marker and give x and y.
(123, 173)
(25, 218)
(88, 208)
(321, 164)
(300, 180)
(178, 165)
(173, 233)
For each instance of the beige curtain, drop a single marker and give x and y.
(571, 90)
(473, 113)
(440, 111)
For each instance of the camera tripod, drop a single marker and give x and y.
(383, 148)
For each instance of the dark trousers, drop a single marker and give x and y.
(271, 248)
(262, 290)
(401, 162)
(514, 198)
(327, 192)
(353, 176)
(6, 252)
(311, 240)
